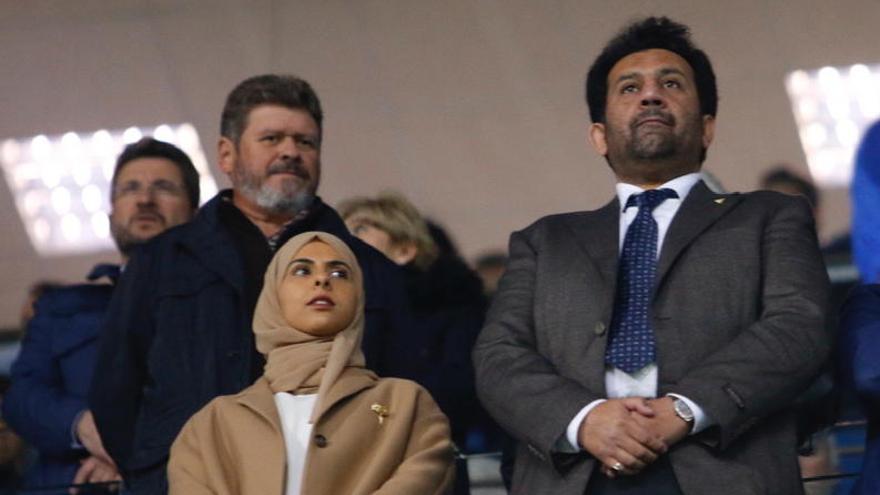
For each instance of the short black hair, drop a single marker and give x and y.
(153, 148)
(267, 89)
(652, 32)
(782, 175)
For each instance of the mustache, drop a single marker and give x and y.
(654, 114)
(148, 211)
(288, 167)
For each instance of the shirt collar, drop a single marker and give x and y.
(681, 185)
(274, 239)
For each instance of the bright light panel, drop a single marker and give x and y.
(61, 183)
(833, 106)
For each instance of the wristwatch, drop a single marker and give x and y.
(683, 411)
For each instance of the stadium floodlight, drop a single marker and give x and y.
(833, 106)
(61, 183)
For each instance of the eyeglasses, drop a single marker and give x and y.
(157, 188)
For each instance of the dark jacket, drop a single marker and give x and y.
(859, 348)
(178, 331)
(738, 313)
(51, 377)
(448, 307)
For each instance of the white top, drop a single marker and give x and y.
(643, 383)
(294, 411)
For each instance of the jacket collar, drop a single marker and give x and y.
(700, 209)
(260, 398)
(209, 241)
(597, 233)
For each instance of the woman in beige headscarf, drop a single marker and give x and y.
(317, 421)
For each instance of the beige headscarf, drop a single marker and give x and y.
(297, 362)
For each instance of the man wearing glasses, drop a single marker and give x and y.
(154, 187)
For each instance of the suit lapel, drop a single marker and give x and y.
(598, 234)
(700, 209)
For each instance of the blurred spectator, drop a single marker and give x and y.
(11, 341)
(865, 195)
(154, 187)
(446, 247)
(859, 348)
(15, 455)
(490, 267)
(859, 345)
(447, 302)
(12, 451)
(782, 179)
(27, 308)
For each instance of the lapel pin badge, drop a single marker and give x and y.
(720, 200)
(381, 412)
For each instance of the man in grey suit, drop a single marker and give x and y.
(654, 345)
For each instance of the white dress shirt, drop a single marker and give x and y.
(643, 383)
(295, 411)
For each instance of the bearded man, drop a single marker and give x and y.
(178, 331)
(154, 187)
(655, 346)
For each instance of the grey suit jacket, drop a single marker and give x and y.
(738, 313)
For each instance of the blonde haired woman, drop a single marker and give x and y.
(317, 421)
(447, 307)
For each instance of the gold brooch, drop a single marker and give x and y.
(381, 411)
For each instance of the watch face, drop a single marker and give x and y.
(683, 411)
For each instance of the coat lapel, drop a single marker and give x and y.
(219, 257)
(264, 474)
(259, 398)
(700, 209)
(598, 234)
(352, 381)
(590, 282)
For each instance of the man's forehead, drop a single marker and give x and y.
(273, 117)
(651, 61)
(149, 168)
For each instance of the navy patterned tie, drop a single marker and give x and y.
(631, 344)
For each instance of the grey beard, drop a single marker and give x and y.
(278, 202)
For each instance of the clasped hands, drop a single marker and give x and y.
(98, 467)
(626, 435)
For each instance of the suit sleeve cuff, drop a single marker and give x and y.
(569, 443)
(701, 419)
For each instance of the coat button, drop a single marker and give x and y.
(599, 329)
(320, 441)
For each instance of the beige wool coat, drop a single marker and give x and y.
(235, 445)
